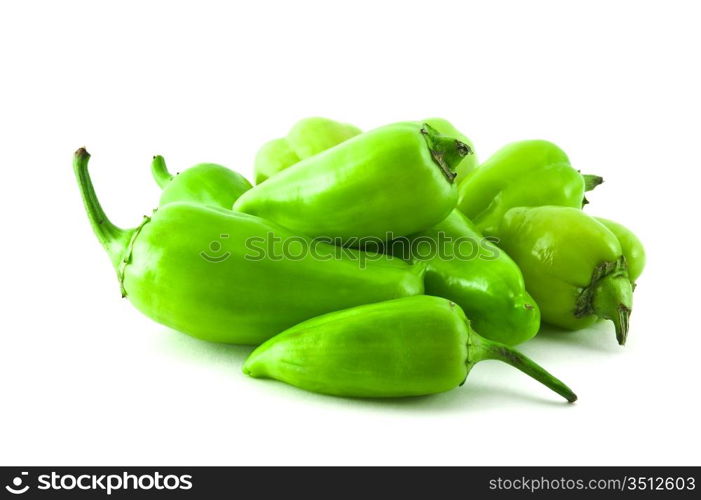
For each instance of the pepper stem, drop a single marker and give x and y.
(446, 151)
(612, 299)
(591, 181)
(115, 240)
(481, 349)
(160, 172)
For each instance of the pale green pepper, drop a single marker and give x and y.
(632, 247)
(308, 137)
(573, 265)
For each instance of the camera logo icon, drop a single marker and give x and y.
(16, 488)
(214, 253)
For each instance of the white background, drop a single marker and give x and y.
(86, 379)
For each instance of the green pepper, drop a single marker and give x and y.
(473, 272)
(521, 174)
(230, 277)
(405, 347)
(273, 157)
(468, 163)
(206, 183)
(394, 180)
(307, 137)
(632, 247)
(311, 136)
(314, 135)
(573, 266)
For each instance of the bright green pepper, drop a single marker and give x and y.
(230, 277)
(406, 347)
(632, 247)
(469, 163)
(313, 135)
(473, 272)
(573, 266)
(273, 157)
(307, 137)
(395, 180)
(206, 183)
(521, 174)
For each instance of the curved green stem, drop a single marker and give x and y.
(481, 349)
(446, 151)
(115, 240)
(613, 299)
(160, 172)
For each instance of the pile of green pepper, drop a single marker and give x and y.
(375, 264)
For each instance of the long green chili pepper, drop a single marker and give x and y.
(406, 347)
(231, 277)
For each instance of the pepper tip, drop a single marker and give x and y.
(462, 148)
(621, 323)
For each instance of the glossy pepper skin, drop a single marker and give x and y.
(213, 281)
(406, 347)
(468, 163)
(632, 247)
(573, 266)
(521, 174)
(313, 135)
(308, 137)
(206, 183)
(470, 270)
(396, 180)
